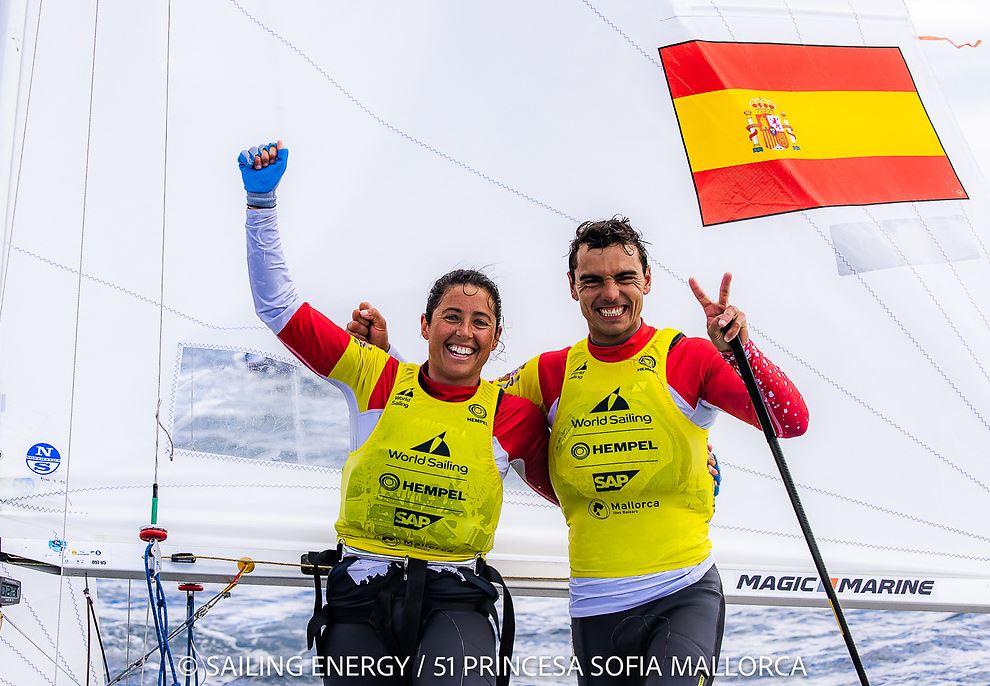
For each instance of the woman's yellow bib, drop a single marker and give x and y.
(425, 483)
(630, 470)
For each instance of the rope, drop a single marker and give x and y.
(75, 337)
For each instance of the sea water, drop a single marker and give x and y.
(249, 636)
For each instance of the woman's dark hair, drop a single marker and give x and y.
(463, 277)
(606, 232)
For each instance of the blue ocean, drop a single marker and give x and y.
(257, 636)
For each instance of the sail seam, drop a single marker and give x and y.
(24, 657)
(625, 36)
(133, 294)
(862, 503)
(860, 544)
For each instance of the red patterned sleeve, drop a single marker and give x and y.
(702, 373)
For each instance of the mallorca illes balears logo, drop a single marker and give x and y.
(431, 450)
(410, 519)
(598, 509)
(854, 585)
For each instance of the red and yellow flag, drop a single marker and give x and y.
(774, 128)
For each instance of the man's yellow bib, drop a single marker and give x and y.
(630, 470)
(425, 483)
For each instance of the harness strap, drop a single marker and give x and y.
(414, 574)
(508, 633)
(310, 564)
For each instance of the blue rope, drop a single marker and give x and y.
(156, 595)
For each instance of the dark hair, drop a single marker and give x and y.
(606, 232)
(463, 277)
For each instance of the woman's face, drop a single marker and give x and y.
(461, 335)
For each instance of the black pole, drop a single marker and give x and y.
(785, 475)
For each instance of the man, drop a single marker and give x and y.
(630, 408)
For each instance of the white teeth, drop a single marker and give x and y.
(459, 350)
(610, 311)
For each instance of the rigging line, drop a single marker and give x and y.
(75, 341)
(161, 292)
(127, 639)
(935, 301)
(863, 503)
(135, 295)
(91, 617)
(9, 237)
(6, 619)
(842, 389)
(147, 616)
(395, 129)
(73, 593)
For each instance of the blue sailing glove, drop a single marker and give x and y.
(718, 478)
(260, 184)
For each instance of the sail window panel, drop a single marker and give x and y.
(252, 406)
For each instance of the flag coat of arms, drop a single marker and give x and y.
(774, 128)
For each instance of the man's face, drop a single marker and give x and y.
(610, 285)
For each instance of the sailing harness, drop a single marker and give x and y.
(403, 638)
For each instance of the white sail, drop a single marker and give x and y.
(425, 137)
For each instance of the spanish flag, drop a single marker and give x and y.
(771, 128)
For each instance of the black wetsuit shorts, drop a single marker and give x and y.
(674, 640)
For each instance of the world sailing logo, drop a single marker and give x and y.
(434, 446)
(613, 402)
(43, 459)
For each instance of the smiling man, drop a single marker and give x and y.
(629, 408)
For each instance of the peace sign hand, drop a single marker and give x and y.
(725, 321)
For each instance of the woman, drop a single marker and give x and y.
(421, 492)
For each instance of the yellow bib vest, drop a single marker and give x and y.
(425, 483)
(630, 470)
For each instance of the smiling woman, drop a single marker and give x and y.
(421, 491)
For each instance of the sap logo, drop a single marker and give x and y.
(612, 481)
(408, 519)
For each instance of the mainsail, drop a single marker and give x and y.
(435, 135)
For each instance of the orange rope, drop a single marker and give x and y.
(949, 40)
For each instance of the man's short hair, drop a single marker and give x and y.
(606, 232)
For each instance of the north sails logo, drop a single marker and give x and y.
(613, 402)
(434, 446)
(410, 519)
